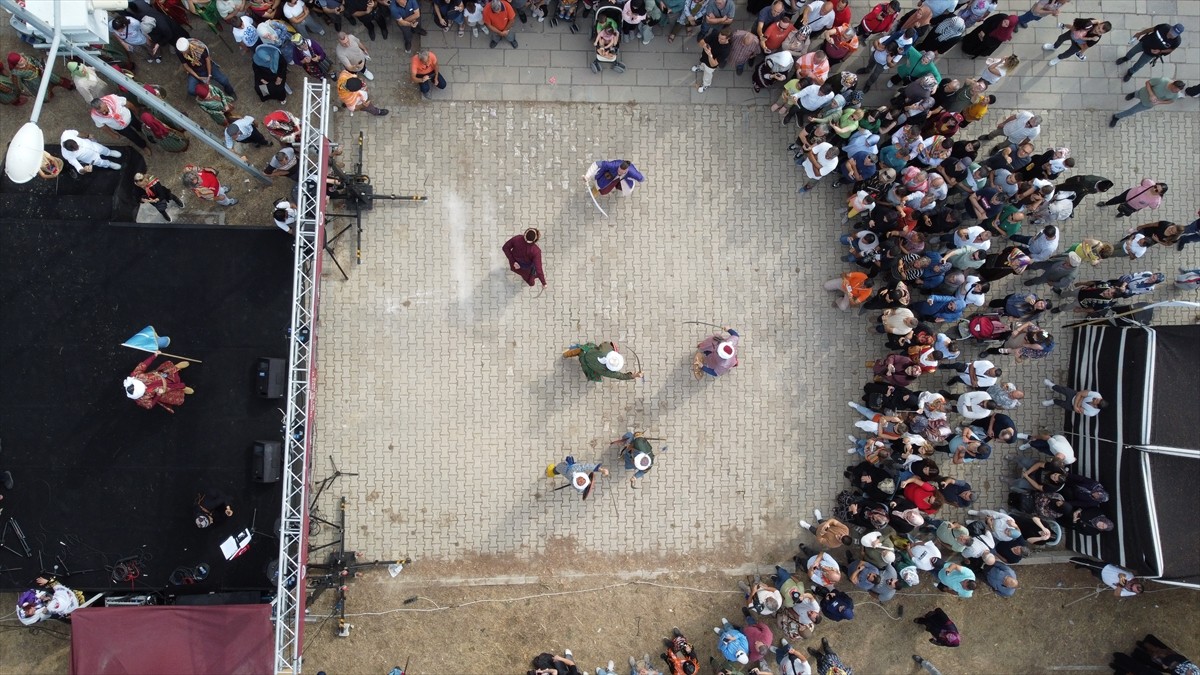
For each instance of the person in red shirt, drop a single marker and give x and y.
(425, 72)
(841, 12)
(499, 18)
(879, 19)
(204, 183)
(524, 256)
(776, 33)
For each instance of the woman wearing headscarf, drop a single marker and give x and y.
(990, 35)
(87, 83)
(270, 74)
(309, 55)
(28, 72)
(10, 89)
(157, 131)
(946, 32)
(943, 630)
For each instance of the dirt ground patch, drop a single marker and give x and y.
(1054, 624)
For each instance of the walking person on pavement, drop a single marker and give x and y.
(352, 92)
(599, 361)
(407, 15)
(1151, 44)
(820, 161)
(1157, 91)
(1040, 10)
(1083, 34)
(831, 533)
(205, 184)
(716, 354)
(151, 191)
(500, 19)
(1146, 195)
(525, 257)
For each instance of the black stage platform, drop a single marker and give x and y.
(98, 478)
(102, 195)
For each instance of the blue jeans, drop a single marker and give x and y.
(1027, 18)
(1144, 57)
(781, 576)
(427, 85)
(217, 76)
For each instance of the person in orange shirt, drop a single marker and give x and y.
(854, 289)
(352, 92)
(813, 65)
(425, 73)
(499, 18)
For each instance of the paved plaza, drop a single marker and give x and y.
(441, 381)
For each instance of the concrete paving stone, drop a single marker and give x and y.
(517, 57)
(493, 74)
(467, 57)
(532, 75)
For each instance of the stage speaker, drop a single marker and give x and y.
(270, 377)
(267, 462)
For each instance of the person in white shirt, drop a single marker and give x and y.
(1122, 581)
(820, 161)
(132, 35)
(39, 604)
(1056, 446)
(924, 554)
(112, 112)
(824, 570)
(979, 374)
(974, 237)
(1002, 525)
(973, 291)
(1017, 128)
(285, 216)
(301, 19)
(1085, 402)
(975, 405)
(83, 153)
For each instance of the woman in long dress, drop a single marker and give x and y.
(28, 71)
(270, 74)
(10, 89)
(213, 100)
(990, 35)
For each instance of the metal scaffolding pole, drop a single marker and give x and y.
(117, 77)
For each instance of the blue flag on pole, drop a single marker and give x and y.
(145, 340)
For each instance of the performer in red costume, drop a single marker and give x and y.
(160, 386)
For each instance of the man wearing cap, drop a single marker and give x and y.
(158, 387)
(352, 92)
(716, 354)
(600, 361)
(638, 455)
(1151, 44)
(200, 68)
(579, 475)
(524, 256)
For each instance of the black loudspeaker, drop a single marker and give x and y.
(270, 377)
(267, 462)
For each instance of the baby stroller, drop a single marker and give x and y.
(608, 21)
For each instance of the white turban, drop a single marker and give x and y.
(134, 388)
(614, 361)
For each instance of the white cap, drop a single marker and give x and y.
(614, 361)
(580, 481)
(182, 44)
(642, 461)
(726, 350)
(134, 388)
(910, 576)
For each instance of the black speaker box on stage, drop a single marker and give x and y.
(270, 377)
(267, 461)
